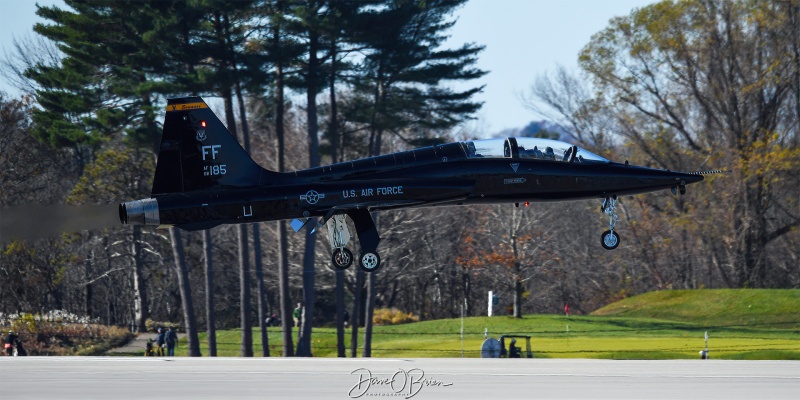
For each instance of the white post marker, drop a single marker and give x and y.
(490, 303)
(704, 353)
(463, 311)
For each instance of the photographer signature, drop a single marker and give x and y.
(401, 383)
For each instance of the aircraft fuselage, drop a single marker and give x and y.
(434, 176)
(204, 178)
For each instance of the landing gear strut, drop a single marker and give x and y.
(368, 239)
(610, 239)
(338, 236)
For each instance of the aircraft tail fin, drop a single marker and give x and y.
(198, 152)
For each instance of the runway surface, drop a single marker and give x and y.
(331, 378)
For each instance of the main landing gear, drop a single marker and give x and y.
(370, 261)
(610, 239)
(342, 258)
(339, 236)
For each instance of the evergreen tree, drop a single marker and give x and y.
(93, 95)
(308, 20)
(401, 84)
(281, 50)
(119, 57)
(405, 70)
(107, 82)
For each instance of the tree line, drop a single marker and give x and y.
(680, 85)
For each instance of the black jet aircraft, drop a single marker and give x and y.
(204, 178)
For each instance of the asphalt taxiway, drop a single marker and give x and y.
(332, 378)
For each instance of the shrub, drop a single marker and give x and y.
(152, 326)
(61, 333)
(392, 316)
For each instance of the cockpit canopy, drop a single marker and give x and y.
(531, 148)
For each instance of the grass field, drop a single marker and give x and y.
(717, 307)
(742, 324)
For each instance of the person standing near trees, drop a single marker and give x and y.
(160, 342)
(11, 342)
(297, 314)
(171, 340)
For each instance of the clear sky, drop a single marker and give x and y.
(523, 39)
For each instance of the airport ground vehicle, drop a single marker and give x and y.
(496, 348)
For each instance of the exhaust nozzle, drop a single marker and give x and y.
(139, 212)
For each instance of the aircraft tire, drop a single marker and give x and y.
(609, 240)
(370, 262)
(342, 259)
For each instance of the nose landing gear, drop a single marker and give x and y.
(610, 239)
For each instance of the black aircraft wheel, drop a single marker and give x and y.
(610, 240)
(342, 258)
(370, 262)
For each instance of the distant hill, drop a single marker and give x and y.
(713, 307)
